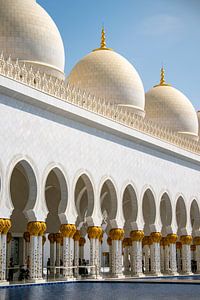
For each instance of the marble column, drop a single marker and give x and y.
(146, 249)
(117, 237)
(26, 243)
(33, 229)
(61, 251)
(5, 225)
(172, 238)
(162, 255)
(43, 242)
(186, 241)
(40, 249)
(166, 256)
(94, 233)
(99, 247)
(76, 237)
(51, 238)
(197, 243)
(193, 250)
(109, 242)
(82, 242)
(178, 256)
(68, 231)
(155, 253)
(126, 243)
(8, 254)
(58, 238)
(136, 250)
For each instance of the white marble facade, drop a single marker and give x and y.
(72, 167)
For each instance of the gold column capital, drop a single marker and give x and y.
(94, 232)
(165, 241)
(126, 242)
(137, 235)
(77, 235)
(186, 239)
(58, 237)
(26, 236)
(9, 237)
(51, 237)
(162, 241)
(33, 228)
(43, 228)
(172, 238)
(193, 247)
(197, 240)
(178, 245)
(155, 237)
(5, 225)
(146, 241)
(117, 234)
(109, 241)
(82, 241)
(68, 230)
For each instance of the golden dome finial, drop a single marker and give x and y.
(162, 78)
(103, 41)
(103, 38)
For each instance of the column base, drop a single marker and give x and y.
(69, 278)
(173, 273)
(127, 274)
(4, 282)
(197, 272)
(158, 274)
(94, 276)
(117, 276)
(37, 280)
(137, 275)
(186, 273)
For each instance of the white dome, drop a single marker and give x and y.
(107, 75)
(169, 107)
(28, 33)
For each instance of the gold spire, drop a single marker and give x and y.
(103, 41)
(103, 38)
(162, 78)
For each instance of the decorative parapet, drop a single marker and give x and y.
(58, 89)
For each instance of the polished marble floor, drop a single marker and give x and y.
(104, 291)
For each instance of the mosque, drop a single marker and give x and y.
(91, 167)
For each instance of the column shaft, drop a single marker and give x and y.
(93, 256)
(186, 254)
(146, 258)
(186, 259)
(155, 258)
(33, 257)
(126, 259)
(198, 258)
(172, 258)
(40, 257)
(76, 256)
(3, 257)
(57, 258)
(166, 251)
(52, 257)
(162, 259)
(136, 261)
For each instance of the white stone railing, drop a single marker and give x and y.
(58, 89)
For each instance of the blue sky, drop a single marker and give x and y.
(148, 33)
